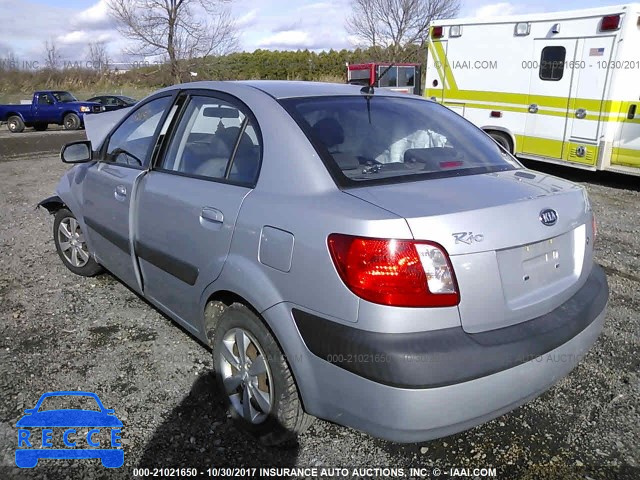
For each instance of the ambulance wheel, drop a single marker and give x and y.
(503, 140)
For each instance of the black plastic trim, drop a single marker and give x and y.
(119, 240)
(173, 266)
(450, 356)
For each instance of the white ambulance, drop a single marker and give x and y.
(560, 87)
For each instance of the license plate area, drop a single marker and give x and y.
(533, 270)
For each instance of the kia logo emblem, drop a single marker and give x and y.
(548, 217)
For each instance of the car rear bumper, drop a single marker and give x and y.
(450, 356)
(462, 384)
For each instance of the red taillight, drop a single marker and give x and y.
(437, 32)
(400, 273)
(610, 22)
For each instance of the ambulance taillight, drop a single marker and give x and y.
(610, 22)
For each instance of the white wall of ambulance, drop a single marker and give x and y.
(558, 87)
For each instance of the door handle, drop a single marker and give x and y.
(120, 192)
(581, 113)
(533, 108)
(212, 214)
(632, 112)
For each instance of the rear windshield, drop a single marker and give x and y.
(381, 139)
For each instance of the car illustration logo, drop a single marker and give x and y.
(40, 428)
(548, 217)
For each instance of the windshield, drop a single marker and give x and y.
(63, 402)
(383, 139)
(128, 100)
(64, 97)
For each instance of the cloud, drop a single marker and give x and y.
(313, 25)
(96, 16)
(83, 37)
(501, 9)
(287, 39)
(285, 27)
(248, 19)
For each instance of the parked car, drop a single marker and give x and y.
(372, 259)
(113, 102)
(48, 106)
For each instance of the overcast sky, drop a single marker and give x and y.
(272, 24)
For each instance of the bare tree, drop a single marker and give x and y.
(9, 61)
(179, 30)
(52, 55)
(396, 24)
(98, 56)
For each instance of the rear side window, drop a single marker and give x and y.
(383, 139)
(552, 63)
(134, 139)
(215, 140)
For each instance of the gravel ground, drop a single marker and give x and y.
(63, 332)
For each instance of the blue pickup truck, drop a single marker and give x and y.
(48, 106)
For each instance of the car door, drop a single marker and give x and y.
(46, 109)
(110, 185)
(189, 202)
(111, 103)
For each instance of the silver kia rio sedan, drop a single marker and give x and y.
(365, 257)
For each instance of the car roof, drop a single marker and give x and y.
(289, 89)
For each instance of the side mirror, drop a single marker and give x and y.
(76, 152)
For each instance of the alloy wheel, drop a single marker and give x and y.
(72, 242)
(246, 375)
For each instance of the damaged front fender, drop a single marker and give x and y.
(52, 204)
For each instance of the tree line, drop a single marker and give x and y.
(258, 65)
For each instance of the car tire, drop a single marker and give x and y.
(285, 417)
(503, 140)
(71, 245)
(71, 121)
(15, 124)
(40, 127)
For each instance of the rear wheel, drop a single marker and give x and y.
(71, 245)
(502, 139)
(71, 121)
(258, 385)
(15, 124)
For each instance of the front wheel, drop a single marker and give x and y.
(71, 121)
(71, 245)
(15, 124)
(258, 385)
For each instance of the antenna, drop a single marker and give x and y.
(369, 90)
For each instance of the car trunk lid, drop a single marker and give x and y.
(509, 265)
